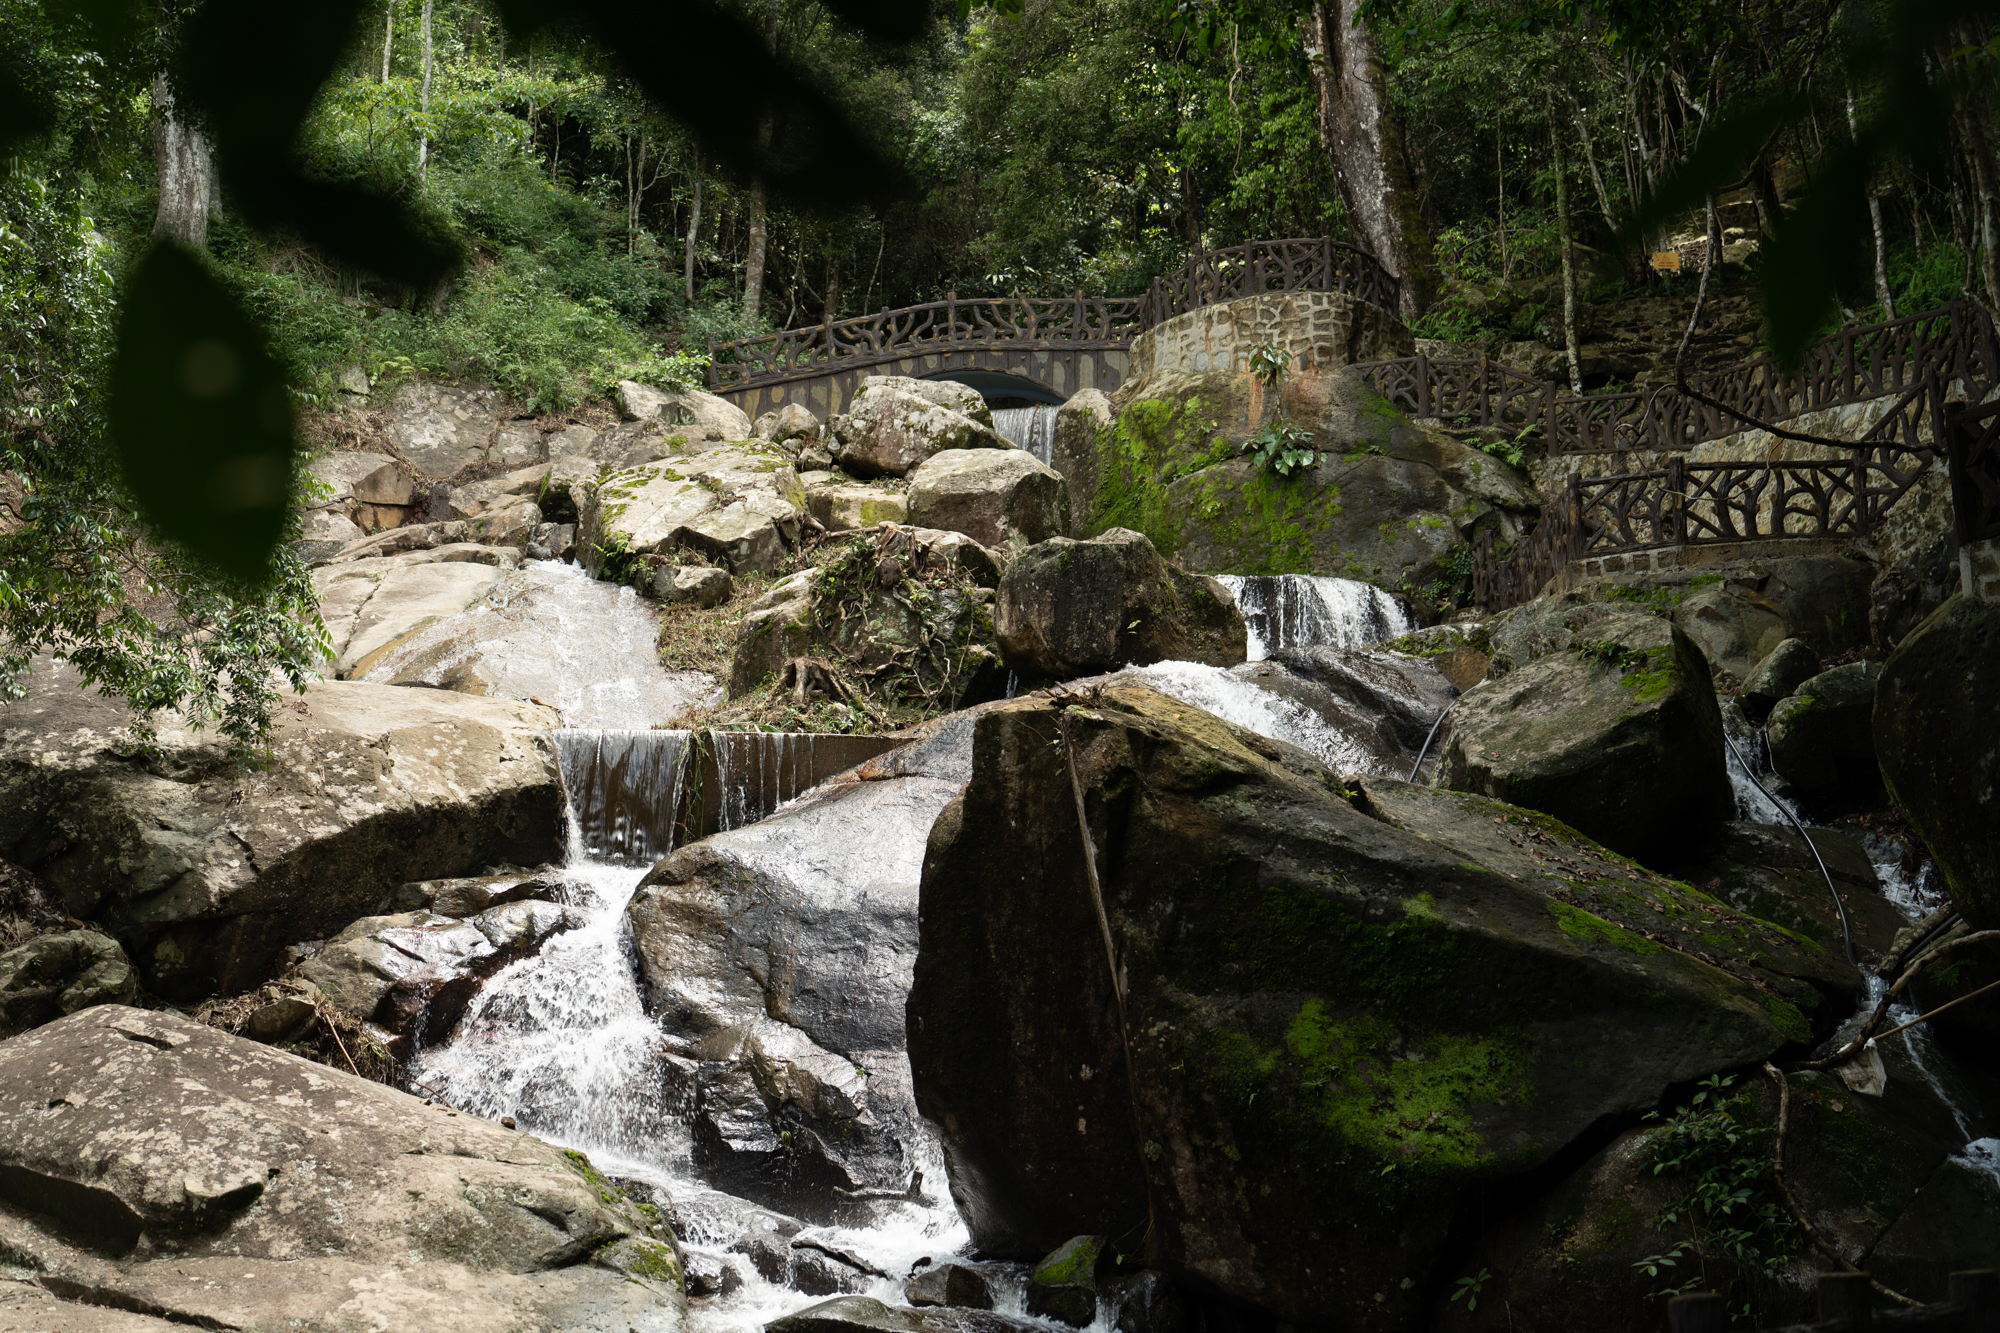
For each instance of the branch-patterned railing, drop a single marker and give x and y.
(1317, 264)
(940, 326)
(1853, 366)
(1075, 322)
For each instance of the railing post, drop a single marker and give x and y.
(951, 317)
(1701, 1312)
(713, 381)
(1845, 1300)
(1672, 528)
(1549, 415)
(1424, 386)
(1575, 539)
(1977, 1292)
(1485, 398)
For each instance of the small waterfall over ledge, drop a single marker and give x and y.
(1033, 428)
(1306, 610)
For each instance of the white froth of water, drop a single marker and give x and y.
(550, 632)
(1917, 895)
(1214, 690)
(1983, 1156)
(1744, 757)
(1033, 428)
(1307, 610)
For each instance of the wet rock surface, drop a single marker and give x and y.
(1617, 734)
(204, 872)
(1821, 737)
(1069, 609)
(182, 1168)
(781, 954)
(1283, 940)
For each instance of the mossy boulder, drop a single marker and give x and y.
(1351, 1010)
(1618, 735)
(60, 973)
(1938, 744)
(902, 614)
(1822, 737)
(1064, 1285)
(895, 423)
(1385, 500)
(1069, 609)
(997, 497)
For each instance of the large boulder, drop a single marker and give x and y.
(372, 604)
(844, 507)
(441, 428)
(895, 423)
(737, 503)
(781, 952)
(51, 975)
(1385, 500)
(1786, 667)
(204, 870)
(1407, 692)
(1618, 735)
(997, 497)
(791, 424)
(371, 490)
(1070, 608)
(290, 1195)
(695, 412)
(1332, 1054)
(902, 614)
(1734, 625)
(1821, 736)
(1939, 748)
(1073, 451)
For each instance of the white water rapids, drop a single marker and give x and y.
(1304, 610)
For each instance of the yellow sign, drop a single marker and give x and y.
(1668, 261)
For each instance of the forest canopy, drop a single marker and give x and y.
(551, 197)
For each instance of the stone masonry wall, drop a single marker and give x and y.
(1319, 329)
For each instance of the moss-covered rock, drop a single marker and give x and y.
(1619, 735)
(1385, 500)
(1938, 744)
(1350, 1010)
(1069, 609)
(1821, 737)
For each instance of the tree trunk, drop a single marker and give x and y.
(694, 226)
(1568, 264)
(753, 259)
(424, 101)
(1883, 297)
(186, 170)
(1362, 137)
(388, 38)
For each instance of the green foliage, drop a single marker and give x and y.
(1468, 1288)
(1728, 1207)
(82, 578)
(1282, 447)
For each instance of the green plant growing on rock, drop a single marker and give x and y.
(1281, 445)
(1727, 1205)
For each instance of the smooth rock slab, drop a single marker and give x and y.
(204, 872)
(160, 1164)
(369, 605)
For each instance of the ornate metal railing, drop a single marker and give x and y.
(1852, 366)
(1079, 322)
(1318, 264)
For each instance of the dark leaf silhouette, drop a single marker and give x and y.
(201, 415)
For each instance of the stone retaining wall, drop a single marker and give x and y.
(1320, 329)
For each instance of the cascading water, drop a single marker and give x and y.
(551, 633)
(1305, 610)
(562, 1042)
(1033, 428)
(1915, 894)
(1253, 708)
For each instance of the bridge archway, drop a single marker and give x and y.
(1044, 373)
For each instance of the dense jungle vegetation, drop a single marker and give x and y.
(1063, 145)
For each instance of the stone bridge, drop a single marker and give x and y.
(1042, 349)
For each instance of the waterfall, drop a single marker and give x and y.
(562, 1041)
(1033, 428)
(1302, 610)
(622, 789)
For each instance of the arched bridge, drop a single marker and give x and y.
(1057, 345)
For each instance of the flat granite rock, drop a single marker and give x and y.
(153, 1163)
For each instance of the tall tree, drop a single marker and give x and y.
(1363, 137)
(760, 199)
